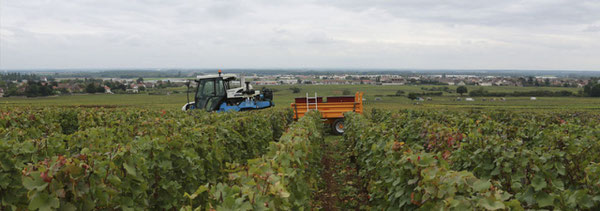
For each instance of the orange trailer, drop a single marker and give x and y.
(332, 110)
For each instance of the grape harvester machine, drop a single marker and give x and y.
(216, 93)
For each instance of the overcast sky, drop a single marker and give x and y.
(425, 34)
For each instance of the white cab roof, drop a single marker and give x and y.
(225, 76)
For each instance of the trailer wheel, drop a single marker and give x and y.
(338, 126)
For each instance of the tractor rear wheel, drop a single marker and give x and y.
(338, 126)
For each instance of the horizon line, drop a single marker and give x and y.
(289, 69)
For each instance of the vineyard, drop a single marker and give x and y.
(477, 160)
(74, 158)
(96, 158)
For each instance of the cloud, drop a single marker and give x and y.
(548, 34)
(484, 12)
(592, 28)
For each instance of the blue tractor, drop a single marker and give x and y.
(215, 93)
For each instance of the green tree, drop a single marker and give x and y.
(412, 96)
(592, 89)
(461, 90)
(530, 80)
(295, 89)
(478, 92)
(100, 89)
(346, 92)
(140, 80)
(32, 89)
(90, 88)
(399, 93)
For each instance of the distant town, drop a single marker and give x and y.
(35, 84)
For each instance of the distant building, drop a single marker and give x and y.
(107, 90)
(176, 80)
(288, 81)
(265, 83)
(134, 89)
(71, 88)
(485, 84)
(333, 81)
(1, 92)
(149, 85)
(366, 81)
(462, 83)
(392, 84)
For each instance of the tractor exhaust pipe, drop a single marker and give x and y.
(187, 92)
(243, 81)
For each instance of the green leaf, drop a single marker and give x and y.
(481, 185)
(538, 183)
(516, 185)
(130, 169)
(201, 189)
(34, 182)
(413, 181)
(125, 208)
(514, 205)
(491, 204)
(496, 171)
(560, 168)
(543, 199)
(114, 180)
(43, 202)
(284, 194)
(67, 207)
(527, 196)
(558, 184)
(580, 198)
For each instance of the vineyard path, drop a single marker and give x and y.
(340, 188)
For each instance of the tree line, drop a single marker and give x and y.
(35, 87)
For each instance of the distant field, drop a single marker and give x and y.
(284, 96)
(165, 78)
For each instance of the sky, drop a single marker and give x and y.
(403, 34)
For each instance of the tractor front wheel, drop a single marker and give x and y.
(338, 126)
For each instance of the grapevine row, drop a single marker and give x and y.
(282, 179)
(122, 158)
(496, 160)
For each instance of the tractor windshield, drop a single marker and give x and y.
(210, 93)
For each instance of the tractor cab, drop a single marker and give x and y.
(220, 93)
(210, 93)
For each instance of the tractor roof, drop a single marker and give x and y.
(225, 76)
